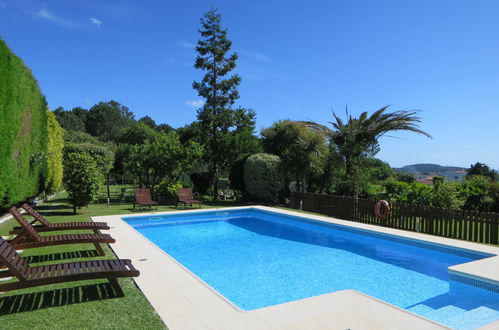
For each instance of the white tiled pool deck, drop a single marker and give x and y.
(183, 301)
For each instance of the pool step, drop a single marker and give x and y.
(474, 318)
(444, 313)
(421, 309)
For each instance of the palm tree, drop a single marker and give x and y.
(359, 136)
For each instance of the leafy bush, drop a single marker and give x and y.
(55, 158)
(477, 193)
(412, 193)
(168, 188)
(446, 195)
(81, 179)
(23, 131)
(165, 157)
(103, 157)
(263, 177)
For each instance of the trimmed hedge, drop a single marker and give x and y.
(54, 152)
(23, 131)
(263, 177)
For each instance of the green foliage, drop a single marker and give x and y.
(23, 131)
(412, 193)
(477, 191)
(163, 157)
(405, 177)
(303, 152)
(263, 177)
(482, 169)
(71, 120)
(82, 179)
(137, 133)
(80, 142)
(358, 137)
(80, 137)
(55, 154)
(103, 157)
(168, 188)
(225, 133)
(146, 120)
(446, 195)
(372, 173)
(106, 119)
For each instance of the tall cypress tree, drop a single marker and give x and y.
(227, 132)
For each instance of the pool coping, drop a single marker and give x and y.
(184, 301)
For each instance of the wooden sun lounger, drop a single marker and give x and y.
(45, 225)
(143, 198)
(29, 276)
(30, 238)
(185, 197)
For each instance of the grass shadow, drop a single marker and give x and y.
(56, 214)
(62, 256)
(50, 207)
(136, 210)
(29, 302)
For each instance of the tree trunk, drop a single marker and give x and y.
(108, 191)
(350, 175)
(215, 186)
(74, 209)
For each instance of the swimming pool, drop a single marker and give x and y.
(257, 258)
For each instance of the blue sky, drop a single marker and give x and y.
(298, 60)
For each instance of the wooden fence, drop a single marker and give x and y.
(472, 226)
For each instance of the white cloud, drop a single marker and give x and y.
(49, 16)
(95, 21)
(187, 44)
(44, 13)
(195, 103)
(260, 57)
(2, 5)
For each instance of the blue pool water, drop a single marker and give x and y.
(257, 258)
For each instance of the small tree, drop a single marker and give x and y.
(160, 158)
(263, 177)
(82, 179)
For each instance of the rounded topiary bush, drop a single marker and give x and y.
(262, 177)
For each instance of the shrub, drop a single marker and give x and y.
(263, 177)
(81, 179)
(23, 131)
(54, 152)
(103, 157)
(168, 188)
(446, 195)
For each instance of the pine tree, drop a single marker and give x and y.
(227, 132)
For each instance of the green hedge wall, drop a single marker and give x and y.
(23, 131)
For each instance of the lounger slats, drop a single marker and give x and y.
(48, 226)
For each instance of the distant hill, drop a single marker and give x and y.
(428, 169)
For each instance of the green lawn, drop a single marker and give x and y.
(86, 304)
